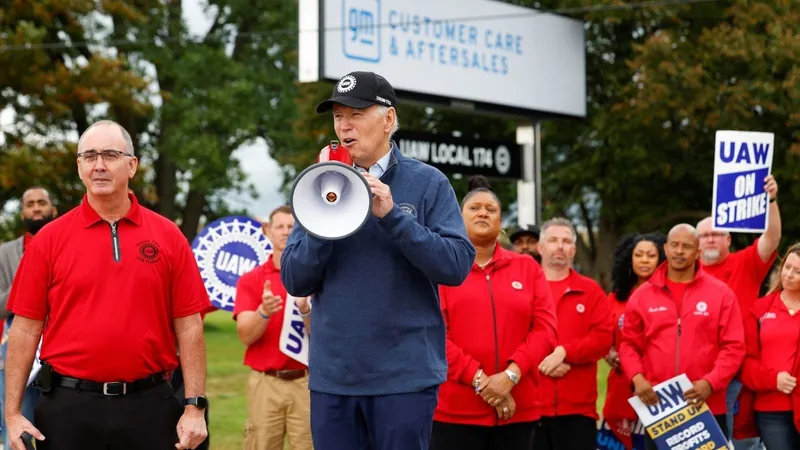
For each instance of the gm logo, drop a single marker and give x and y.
(361, 35)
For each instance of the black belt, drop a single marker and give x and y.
(286, 375)
(113, 388)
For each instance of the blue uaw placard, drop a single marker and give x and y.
(607, 440)
(225, 250)
(742, 160)
(673, 424)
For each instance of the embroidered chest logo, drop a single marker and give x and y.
(149, 252)
(701, 309)
(767, 316)
(408, 208)
(580, 308)
(657, 309)
(516, 285)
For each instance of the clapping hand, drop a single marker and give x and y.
(270, 303)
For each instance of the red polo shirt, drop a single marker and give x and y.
(109, 302)
(264, 354)
(743, 272)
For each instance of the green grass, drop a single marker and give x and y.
(227, 382)
(226, 385)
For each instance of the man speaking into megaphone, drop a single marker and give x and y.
(377, 353)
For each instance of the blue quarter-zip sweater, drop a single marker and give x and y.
(376, 324)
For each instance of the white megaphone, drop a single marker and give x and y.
(330, 199)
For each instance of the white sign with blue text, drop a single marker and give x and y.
(674, 424)
(742, 160)
(294, 336)
(469, 50)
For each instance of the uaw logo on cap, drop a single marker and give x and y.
(346, 84)
(225, 250)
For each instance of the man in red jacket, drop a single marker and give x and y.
(683, 320)
(568, 378)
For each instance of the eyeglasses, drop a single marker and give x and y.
(108, 156)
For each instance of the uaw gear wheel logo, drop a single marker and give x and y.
(502, 160)
(225, 250)
(346, 84)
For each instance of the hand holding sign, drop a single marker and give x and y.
(771, 187)
(644, 390)
(672, 422)
(699, 392)
(303, 305)
(786, 383)
(270, 303)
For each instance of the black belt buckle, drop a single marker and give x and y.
(115, 388)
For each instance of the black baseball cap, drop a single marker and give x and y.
(360, 90)
(532, 230)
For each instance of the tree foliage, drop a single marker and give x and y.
(189, 101)
(660, 82)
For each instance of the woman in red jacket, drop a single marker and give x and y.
(772, 362)
(500, 324)
(636, 258)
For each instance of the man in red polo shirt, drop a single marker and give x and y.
(568, 376)
(118, 286)
(278, 396)
(744, 272)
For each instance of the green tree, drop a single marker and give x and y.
(189, 102)
(740, 74)
(661, 82)
(53, 88)
(230, 87)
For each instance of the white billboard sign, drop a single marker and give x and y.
(465, 50)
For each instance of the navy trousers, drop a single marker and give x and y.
(384, 422)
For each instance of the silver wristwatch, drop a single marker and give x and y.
(512, 375)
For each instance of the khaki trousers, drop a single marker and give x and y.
(277, 408)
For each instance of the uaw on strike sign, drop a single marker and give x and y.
(676, 425)
(742, 160)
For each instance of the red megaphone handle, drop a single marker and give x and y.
(335, 152)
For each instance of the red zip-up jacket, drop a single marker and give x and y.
(501, 313)
(761, 365)
(585, 330)
(704, 341)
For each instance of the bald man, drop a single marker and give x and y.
(743, 271)
(683, 320)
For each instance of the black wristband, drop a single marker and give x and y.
(773, 199)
